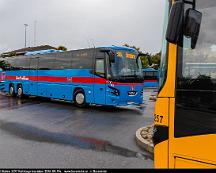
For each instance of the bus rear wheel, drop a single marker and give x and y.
(19, 91)
(11, 91)
(80, 99)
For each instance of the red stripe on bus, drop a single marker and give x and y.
(39, 78)
(150, 81)
(88, 80)
(59, 79)
(85, 80)
(130, 84)
(10, 77)
(100, 81)
(33, 78)
(52, 79)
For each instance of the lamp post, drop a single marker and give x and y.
(35, 32)
(25, 25)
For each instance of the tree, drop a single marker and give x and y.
(12, 54)
(145, 64)
(134, 47)
(63, 48)
(3, 65)
(156, 60)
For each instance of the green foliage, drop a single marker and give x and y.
(154, 57)
(156, 60)
(12, 54)
(145, 63)
(3, 65)
(62, 48)
(137, 48)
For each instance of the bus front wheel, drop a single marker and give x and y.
(80, 99)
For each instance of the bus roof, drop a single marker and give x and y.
(118, 48)
(42, 52)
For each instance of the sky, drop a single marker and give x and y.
(82, 23)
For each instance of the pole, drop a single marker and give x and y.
(35, 32)
(25, 25)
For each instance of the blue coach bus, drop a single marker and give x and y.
(103, 76)
(151, 77)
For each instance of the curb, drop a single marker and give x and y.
(143, 143)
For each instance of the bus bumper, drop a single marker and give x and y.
(130, 101)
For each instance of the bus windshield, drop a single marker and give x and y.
(126, 66)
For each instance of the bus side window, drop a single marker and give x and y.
(100, 70)
(46, 62)
(62, 61)
(34, 64)
(24, 63)
(82, 59)
(19, 63)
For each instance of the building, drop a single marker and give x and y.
(24, 50)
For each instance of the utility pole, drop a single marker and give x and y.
(35, 32)
(25, 26)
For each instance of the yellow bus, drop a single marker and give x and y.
(185, 112)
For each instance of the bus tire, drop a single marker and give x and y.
(11, 90)
(80, 99)
(20, 91)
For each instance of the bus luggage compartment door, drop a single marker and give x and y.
(33, 83)
(33, 73)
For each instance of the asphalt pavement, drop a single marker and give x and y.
(35, 133)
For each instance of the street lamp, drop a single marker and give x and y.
(35, 32)
(25, 25)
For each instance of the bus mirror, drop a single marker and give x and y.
(175, 24)
(192, 25)
(110, 53)
(112, 57)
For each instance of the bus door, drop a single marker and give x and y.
(33, 73)
(99, 79)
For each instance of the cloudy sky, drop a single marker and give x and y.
(82, 23)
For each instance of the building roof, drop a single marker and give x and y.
(28, 49)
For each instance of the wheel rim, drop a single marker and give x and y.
(19, 92)
(80, 98)
(11, 90)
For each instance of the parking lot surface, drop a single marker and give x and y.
(35, 133)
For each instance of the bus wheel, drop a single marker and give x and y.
(11, 91)
(19, 91)
(79, 99)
